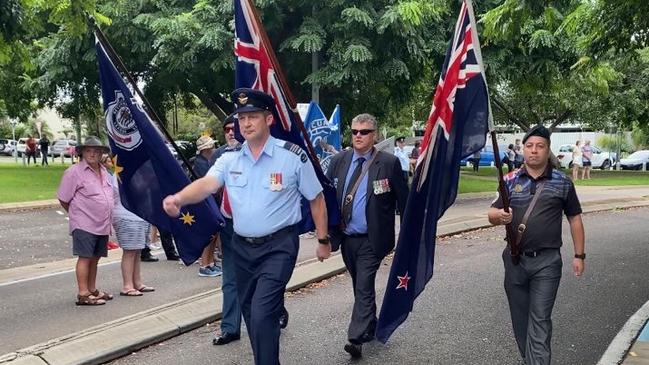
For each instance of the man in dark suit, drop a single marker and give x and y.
(369, 185)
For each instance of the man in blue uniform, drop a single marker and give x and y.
(539, 195)
(265, 182)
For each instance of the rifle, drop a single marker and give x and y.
(510, 234)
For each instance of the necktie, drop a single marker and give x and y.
(348, 203)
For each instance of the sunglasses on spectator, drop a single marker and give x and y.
(228, 129)
(363, 132)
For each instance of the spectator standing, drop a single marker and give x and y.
(577, 160)
(45, 147)
(475, 160)
(518, 158)
(400, 153)
(132, 234)
(587, 157)
(203, 161)
(86, 194)
(511, 157)
(30, 149)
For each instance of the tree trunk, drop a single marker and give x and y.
(512, 118)
(562, 118)
(220, 107)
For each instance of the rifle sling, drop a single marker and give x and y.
(523, 225)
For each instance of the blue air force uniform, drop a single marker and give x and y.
(265, 196)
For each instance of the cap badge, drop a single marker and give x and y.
(243, 99)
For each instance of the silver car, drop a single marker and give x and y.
(62, 146)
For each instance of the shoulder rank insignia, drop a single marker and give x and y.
(297, 150)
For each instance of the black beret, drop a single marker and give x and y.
(232, 118)
(538, 130)
(251, 100)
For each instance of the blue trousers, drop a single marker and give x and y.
(262, 272)
(231, 321)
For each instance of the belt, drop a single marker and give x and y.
(537, 252)
(266, 238)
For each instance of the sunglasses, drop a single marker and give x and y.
(228, 129)
(363, 132)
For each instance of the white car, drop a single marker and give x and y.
(635, 160)
(7, 146)
(601, 159)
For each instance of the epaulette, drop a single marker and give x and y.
(295, 149)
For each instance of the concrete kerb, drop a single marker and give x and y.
(39, 204)
(621, 344)
(114, 339)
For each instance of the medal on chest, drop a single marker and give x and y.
(276, 181)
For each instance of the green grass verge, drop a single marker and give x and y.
(598, 177)
(28, 183)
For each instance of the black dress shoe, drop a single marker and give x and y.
(173, 257)
(283, 318)
(149, 258)
(225, 338)
(355, 350)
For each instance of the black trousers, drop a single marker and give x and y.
(167, 245)
(531, 288)
(262, 272)
(362, 264)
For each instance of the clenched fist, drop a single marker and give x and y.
(171, 205)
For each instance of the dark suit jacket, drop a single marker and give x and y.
(380, 208)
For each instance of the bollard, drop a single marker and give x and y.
(644, 166)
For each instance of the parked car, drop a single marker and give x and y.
(22, 144)
(635, 160)
(487, 156)
(62, 146)
(7, 146)
(601, 159)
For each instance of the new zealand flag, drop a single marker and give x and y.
(457, 127)
(256, 68)
(146, 170)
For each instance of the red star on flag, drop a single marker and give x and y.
(403, 281)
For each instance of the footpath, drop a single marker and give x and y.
(41, 324)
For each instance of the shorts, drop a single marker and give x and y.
(131, 234)
(85, 244)
(587, 163)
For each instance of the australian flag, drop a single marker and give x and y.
(257, 68)
(146, 170)
(457, 127)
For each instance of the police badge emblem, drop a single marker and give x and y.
(120, 123)
(276, 181)
(518, 188)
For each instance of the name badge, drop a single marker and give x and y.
(276, 181)
(381, 186)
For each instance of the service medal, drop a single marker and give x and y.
(276, 181)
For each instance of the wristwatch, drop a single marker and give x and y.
(582, 256)
(324, 241)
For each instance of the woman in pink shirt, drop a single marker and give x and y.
(86, 194)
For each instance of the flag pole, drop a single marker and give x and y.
(510, 234)
(287, 90)
(117, 61)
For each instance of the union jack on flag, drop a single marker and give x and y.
(457, 127)
(257, 68)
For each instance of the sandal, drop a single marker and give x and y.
(131, 293)
(102, 295)
(146, 289)
(89, 299)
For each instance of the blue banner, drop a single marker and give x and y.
(146, 170)
(322, 134)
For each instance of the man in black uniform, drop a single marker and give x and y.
(531, 286)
